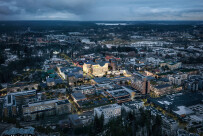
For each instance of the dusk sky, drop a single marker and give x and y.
(109, 10)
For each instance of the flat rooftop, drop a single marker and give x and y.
(179, 99)
(162, 86)
(108, 107)
(78, 96)
(119, 93)
(23, 92)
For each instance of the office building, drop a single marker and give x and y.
(109, 112)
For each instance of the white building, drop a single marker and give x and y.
(153, 60)
(68, 71)
(109, 111)
(133, 106)
(169, 125)
(16, 98)
(177, 79)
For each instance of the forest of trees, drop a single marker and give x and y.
(128, 124)
(27, 57)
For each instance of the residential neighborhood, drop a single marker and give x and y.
(93, 79)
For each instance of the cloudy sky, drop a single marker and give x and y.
(126, 10)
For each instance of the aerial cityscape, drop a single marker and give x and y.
(64, 71)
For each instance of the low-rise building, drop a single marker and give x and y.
(27, 131)
(182, 105)
(140, 83)
(50, 82)
(32, 111)
(108, 111)
(182, 132)
(183, 111)
(154, 61)
(169, 125)
(78, 96)
(198, 110)
(119, 94)
(194, 83)
(85, 89)
(21, 86)
(97, 69)
(162, 89)
(100, 80)
(171, 65)
(14, 101)
(133, 106)
(177, 79)
(70, 72)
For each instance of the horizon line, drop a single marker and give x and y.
(109, 20)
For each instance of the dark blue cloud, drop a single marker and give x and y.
(101, 9)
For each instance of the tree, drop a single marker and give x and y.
(2, 58)
(179, 54)
(37, 117)
(68, 83)
(156, 128)
(39, 89)
(26, 89)
(98, 123)
(18, 90)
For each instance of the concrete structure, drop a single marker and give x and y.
(78, 97)
(140, 83)
(22, 86)
(169, 125)
(14, 101)
(50, 82)
(153, 61)
(182, 132)
(194, 83)
(97, 69)
(113, 64)
(73, 74)
(100, 80)
(48, 108)
(198, 110)
(183, 105)
(85, 89)
(119, 94)
(19, 98)
(177, 79)
(27, 131)
(171, 65)
(183, 111)
(162, 89)
(109, 112)
(133, 106)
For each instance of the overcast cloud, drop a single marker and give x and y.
(129, 10)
